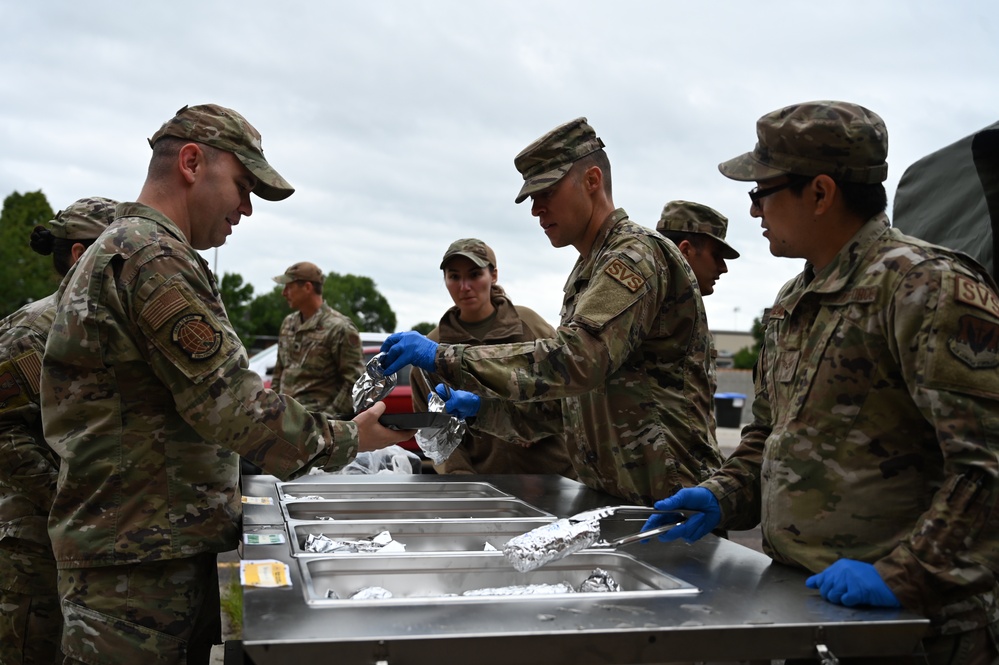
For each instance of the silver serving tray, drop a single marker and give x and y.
(436, 536)
(416, 508)
(413, 579)
(457, 490)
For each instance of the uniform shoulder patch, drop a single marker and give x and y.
(30, 364)
(166, 305)
(619, 271)
(976, 342)
(975, 294)
(196, 337)
(11, 394)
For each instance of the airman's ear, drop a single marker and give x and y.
(191, 160)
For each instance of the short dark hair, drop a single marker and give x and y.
(599, 159)
(698, 240)
(860, 199)
(165, 152)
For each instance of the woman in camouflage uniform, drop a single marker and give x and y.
(505, 437)
(30, 620)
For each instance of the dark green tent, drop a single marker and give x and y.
(951, 197)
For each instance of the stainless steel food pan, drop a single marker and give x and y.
(423, 536)
(389, 490)
(411, 509)
(443, 577)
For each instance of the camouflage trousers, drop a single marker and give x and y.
(162, 612)
(30, 621)
(30, 626)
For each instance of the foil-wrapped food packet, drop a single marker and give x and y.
(599, 581)
(438, 443)
(550, 542)
(373, 385)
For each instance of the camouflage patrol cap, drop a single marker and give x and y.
(227, 130)
(689, 217)
(548, 159)
(473, 249)
(84, 219)
(839, 139)
(303, 271)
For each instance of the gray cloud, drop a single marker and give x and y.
(398, 121)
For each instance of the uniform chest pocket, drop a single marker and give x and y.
(840, 363)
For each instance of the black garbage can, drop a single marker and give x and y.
(728, 409)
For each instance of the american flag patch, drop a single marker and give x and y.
(30, 365)
(164, 307)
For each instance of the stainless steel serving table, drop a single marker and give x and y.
(747, 608)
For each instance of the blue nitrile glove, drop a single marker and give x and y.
(459, 403)
(697, 526)
(408, 348)
(851, 583)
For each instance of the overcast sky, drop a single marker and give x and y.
(398, 121)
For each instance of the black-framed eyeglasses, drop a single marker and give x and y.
(756, 194)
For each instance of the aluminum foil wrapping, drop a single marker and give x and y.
(599, 581)
(371, 593)
(550, 542)
(522, 590)
(438, 444)
(373, 385)
(318, 543)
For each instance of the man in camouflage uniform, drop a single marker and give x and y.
(30, 620)
(699, 233)
(147, 398)
(319, 351)
(873, 456)
(630, 358)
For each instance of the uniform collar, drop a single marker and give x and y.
(835, 276)
(134, 209)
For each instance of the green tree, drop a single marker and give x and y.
(25, 275)
(236, 296)
(746, 358)
(358, 298)
(266, 312)
(424, 327)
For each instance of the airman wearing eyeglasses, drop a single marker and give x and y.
(875, 438)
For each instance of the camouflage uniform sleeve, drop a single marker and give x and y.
(946, 332)
(736, 484)
(346, 347)
(278, 363)
(522, 423)
(193, 349)
(611, 318)
(29, 466)
(420, 382)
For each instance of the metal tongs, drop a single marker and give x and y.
(612, 511)
(561, 538)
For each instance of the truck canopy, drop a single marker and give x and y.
(951, 197)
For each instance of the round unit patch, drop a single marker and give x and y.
(196, 338)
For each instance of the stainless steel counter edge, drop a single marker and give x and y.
(748, 607)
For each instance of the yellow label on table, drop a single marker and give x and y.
(258, 500)
(264, 573)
